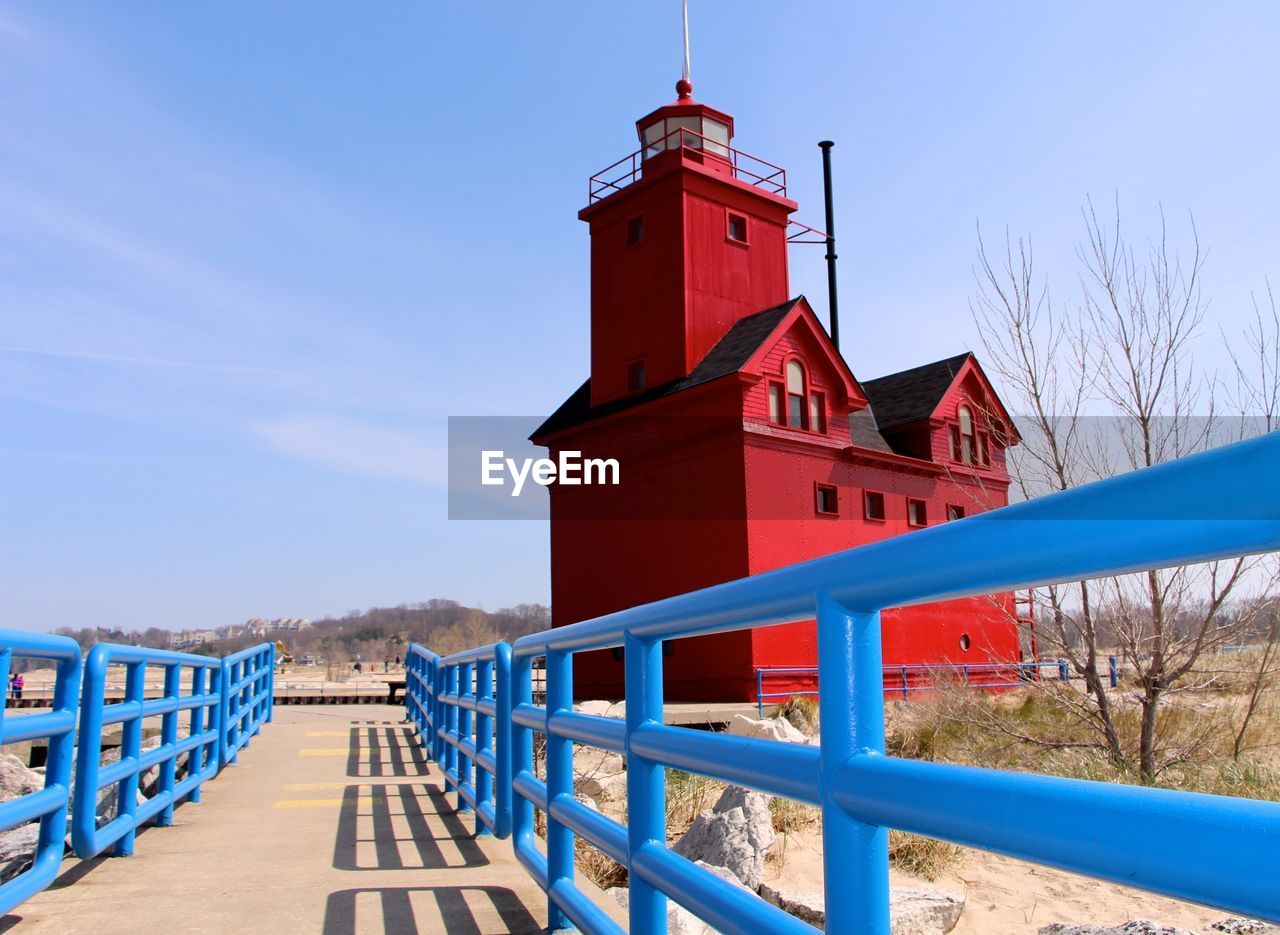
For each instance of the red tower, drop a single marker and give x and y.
(744, 440)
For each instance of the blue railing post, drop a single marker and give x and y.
(131, 749)
(463, 690)
(851, 724)
(169, 738)
(646, 781)
(48, 805)
(1113, 671)
(1064, 674)
(522, 830)
(559, 782)
(484, 742)
(197, 760)
(760, 693)
(502, 738)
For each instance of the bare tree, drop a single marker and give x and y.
(1125, 350)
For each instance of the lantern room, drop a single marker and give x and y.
(685, 124)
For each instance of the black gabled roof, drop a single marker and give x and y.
(728, 356)
(912, 395)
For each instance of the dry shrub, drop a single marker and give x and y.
(687, 795)
(600, 869)
(802, 712)
(922, 857)
(790, 816)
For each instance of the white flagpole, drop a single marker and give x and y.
(685, 73)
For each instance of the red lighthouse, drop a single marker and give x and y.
(745, 442)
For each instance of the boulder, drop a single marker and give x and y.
(616, 709)
(16, 779)
(806, 905)
(17, 849)
(680, 921)
(924, 910)
(1132, 927)
(1239, 926)
(600, 775)
(735, 833)
(773, 728)
(913, 910)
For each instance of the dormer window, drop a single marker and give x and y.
(968, 445)
(797, 396)
(968, 438)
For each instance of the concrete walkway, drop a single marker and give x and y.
(331, 822)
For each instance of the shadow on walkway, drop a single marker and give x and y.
(392, 749)
(458, 910)
(376, 818)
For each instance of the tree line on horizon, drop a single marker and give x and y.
(372, 636)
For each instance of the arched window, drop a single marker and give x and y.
(968, 438)
(797, 396)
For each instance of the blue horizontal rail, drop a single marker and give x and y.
(48, 806)
(1209, 849)
(192, 684)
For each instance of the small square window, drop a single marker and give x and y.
(917, 513)
(635, 376)
(737, 228)
(635, 230)
(954, 512)
(873, 505)
(828, 502)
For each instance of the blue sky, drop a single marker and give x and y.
(253, 255)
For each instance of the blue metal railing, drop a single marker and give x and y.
(49, 805)
(192, 684)
(474, 717)
(420, 701)
(248, 680)
(1209, 849)
(227, 702)
(923, 677)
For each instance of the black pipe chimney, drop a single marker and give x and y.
(832, 304)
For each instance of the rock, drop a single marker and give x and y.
(16, 779)
(773, 728)
(801, 720)
(806, 905)
(913, 910)
(17, 849)
(599, 774)
(616, 709)
(1239, 926)
(924, 910)
(1132, 927)
(735, 833)
(680, 921)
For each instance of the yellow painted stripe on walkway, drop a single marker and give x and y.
(324, 751)
(314, 786)
(328, 803)
(328, 733)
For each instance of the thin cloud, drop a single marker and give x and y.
(144, 361)
(357, 448)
